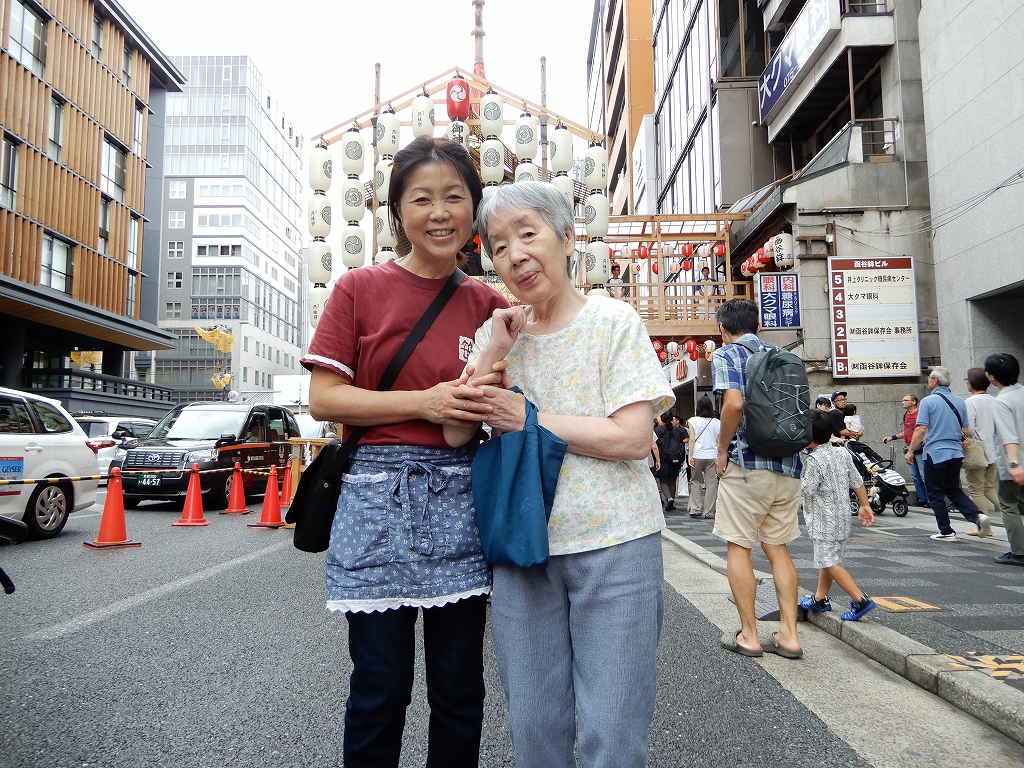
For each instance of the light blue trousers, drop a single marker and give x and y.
(577, 642)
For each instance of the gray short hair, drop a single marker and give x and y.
(539, 196)
(941, 375)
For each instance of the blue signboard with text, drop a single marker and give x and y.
(780, 299)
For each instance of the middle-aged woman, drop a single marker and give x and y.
(703, 430)
(576, 639)
(981, 481)
(404, 536)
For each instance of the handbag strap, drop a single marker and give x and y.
(703, 430)
(402, 355)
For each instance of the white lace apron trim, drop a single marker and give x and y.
(388, 603)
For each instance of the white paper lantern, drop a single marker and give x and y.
(527, 172)
(672, 347)
(490, 190)
(485, 262)
(319, 216)
(422, 116)
(318, 262)
(353, 246)
(385, 234)
(382, 178)
(598, 256)
(599, 292)
(317, 298)
(595, 168)
(560, 147)
(320, 169)
(526, 137)
(567, 187)
(595, 211)
(458, 131)
(384, 254)
(783, 245)
(388, 133)
(353, 198)
(492, 161)
(492, 115)
(353, 153)
(709, 346)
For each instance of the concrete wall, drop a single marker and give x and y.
(972, 66)
(747, 159)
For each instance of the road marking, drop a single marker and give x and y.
(1010, 667)
(902, 604)
(84, 620)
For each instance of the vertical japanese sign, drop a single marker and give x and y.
(779, 294)
(874, 317)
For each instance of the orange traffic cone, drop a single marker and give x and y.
(192, 514)
(271, 517)
(113, 534)
(286, 487)
(236, 502)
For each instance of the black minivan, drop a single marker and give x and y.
(214, 436)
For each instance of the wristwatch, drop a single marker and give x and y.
(1014, 464)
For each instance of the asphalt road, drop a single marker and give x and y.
(211, 647)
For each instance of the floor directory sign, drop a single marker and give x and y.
(874, 317)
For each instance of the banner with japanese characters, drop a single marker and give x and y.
(874, 317)
(779, 299)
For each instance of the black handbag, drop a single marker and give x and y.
(316, 496)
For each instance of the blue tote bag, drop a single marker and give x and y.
(514, 479)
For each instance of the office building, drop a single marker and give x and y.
(82, 111)
(231, 233)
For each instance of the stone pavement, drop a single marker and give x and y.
(951, 597)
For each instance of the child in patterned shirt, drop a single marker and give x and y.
(828, 475)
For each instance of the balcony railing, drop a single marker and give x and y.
(865, 7)
(878, 139)
(70, 379)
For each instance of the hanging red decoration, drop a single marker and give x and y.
(641, 251)
(457, 93)
(719, 249)
(663, 355)
(687, 249)
(657, 345)
(687, 265)
(691, 347)
(654, 267)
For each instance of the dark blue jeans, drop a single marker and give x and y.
(383, 646)
(943, 481)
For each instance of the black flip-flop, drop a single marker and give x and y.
(729, 642)
(787, 653)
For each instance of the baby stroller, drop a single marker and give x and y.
(884, 485)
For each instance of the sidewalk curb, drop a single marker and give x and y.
(994, 703)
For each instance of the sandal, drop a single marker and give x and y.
(730, 643)
(781, 650)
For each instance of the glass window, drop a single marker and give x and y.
(55, 264)
(97, 37)
(27, 39)
(753, 43)
(200, 250)
(126, 67)
(172, 310)
(104, 226)
(176, 219)
(176, 189)
(174, 279)
(129, 308)
(133, 242)
(8, 173)
(176, 249)
(113, 171)
(139, 123)
(729, 29)
(55, 129)
(14, 417)
(51, 419)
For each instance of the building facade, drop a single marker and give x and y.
(81, 112)
(231, 233)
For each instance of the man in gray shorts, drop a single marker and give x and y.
(758, 496)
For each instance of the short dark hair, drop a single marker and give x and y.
(850, 410)
(421, 151)
(912, 397)
(821, 427)
(977, 379)
(705, 408)
(823, 400)
(1004, 368)
(738, 316)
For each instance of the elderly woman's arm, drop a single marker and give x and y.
(625, 435)
(333, 397)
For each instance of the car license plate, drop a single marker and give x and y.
(149, 480)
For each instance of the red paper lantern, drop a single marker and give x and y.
(657, 345)
(719, 249)
(691, 347)
(687, 265)
(457, 97)
(663, 355)
(654, 267)
(687, 250)
(641, 252)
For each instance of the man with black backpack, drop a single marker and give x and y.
(765, 424)
(672, 448)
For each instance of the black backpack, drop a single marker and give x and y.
(671, 447)
(777, 403)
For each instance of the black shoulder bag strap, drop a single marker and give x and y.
(401, 356)
(953, 408)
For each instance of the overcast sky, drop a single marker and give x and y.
(317, 58)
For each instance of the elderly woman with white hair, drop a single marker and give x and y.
(576, 639)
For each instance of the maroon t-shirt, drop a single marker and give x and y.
(370, 313)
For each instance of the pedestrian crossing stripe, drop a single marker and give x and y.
(903, 604)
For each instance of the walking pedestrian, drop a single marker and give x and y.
(981, 481)
(404, 538)
(703, 431)
(1003, 370)
(758, 495)
(672, 447)
(909, 404)
(828, 476)
(941, 428)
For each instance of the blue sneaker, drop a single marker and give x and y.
(810, 604)
(858, 609)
